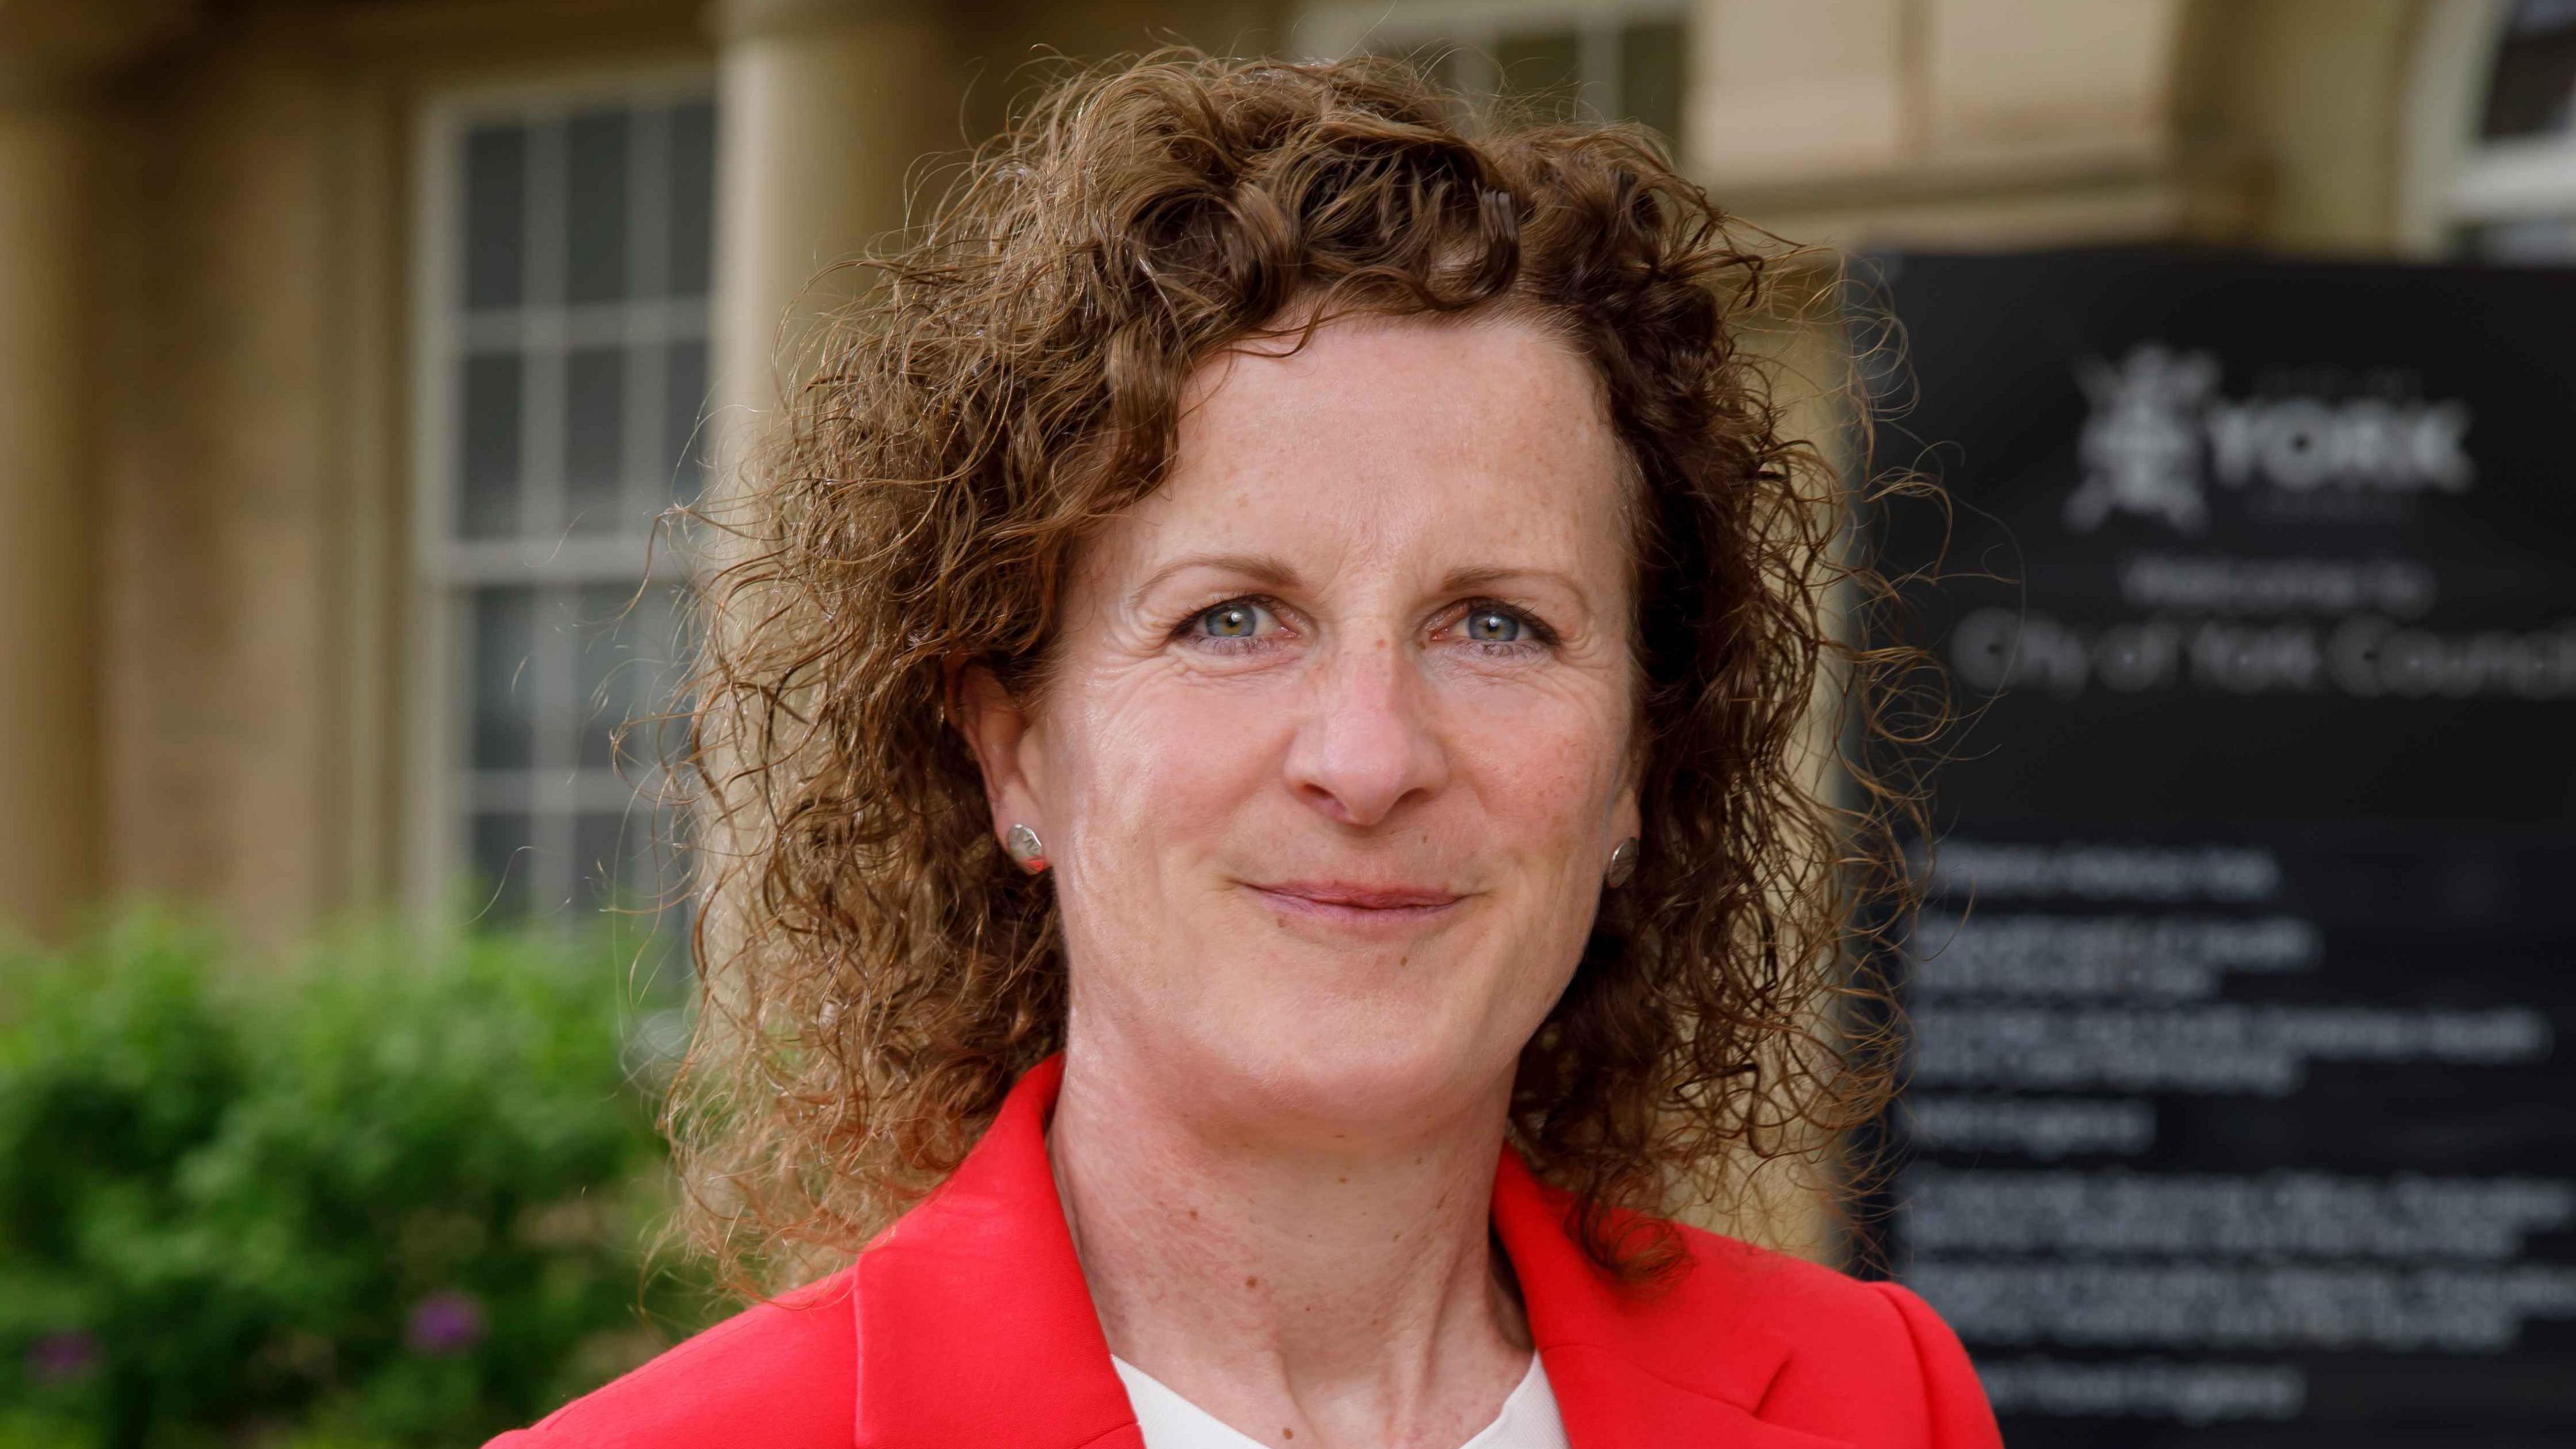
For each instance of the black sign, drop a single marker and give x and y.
(2243, 1095)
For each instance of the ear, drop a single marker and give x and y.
(1627, 820)
(1627, 814)
(1004, 738)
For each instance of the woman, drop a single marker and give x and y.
(1256, 766)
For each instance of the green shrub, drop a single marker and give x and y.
(396, 1191)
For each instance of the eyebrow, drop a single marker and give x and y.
(1460, 580)
(1267, 570)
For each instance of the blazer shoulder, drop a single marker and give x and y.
(782, 1373)
(1807, 1304)
(1868, 1361)
(1960, 1415)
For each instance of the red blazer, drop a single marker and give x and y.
(967, 1326)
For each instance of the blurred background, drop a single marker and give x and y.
(350, 351)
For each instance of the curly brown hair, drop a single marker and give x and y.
(876, 973)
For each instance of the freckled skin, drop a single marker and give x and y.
(1375, 629)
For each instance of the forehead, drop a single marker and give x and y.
(1477, 443)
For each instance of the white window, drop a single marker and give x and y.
(564, 249)
(1624, 61)
(2513, 194)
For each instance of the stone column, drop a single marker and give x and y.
(49, 717)
(827, 108)
(824, 107)
(50, 58)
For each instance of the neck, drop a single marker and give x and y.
(1319, 1290)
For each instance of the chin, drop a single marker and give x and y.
(1309, 1036)
(1343, 1068)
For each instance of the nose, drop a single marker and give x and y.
(1367, 742)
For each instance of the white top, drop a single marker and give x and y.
(1168, 1421)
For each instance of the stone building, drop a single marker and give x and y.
(349, 347)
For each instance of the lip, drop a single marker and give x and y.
(1355, 904)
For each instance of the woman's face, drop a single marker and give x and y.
(1338, 744)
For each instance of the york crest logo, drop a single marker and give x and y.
(2161, 435)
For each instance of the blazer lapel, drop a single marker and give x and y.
(975, 1328)
(1608, 1402)
(1677, 1365)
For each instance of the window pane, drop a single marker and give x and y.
(594, 429)
(499, 850)
(1545, 66)
(2535, 71)
(595, 206)
(504, 635)
(1650, 75)
(487, 496)
(496, 214)
(692, 211)
(623, 675)
(606, 676)
(684, 407)
(664, 634)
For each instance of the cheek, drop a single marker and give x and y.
(1152, 782)
(1545, 771)
(1148, 763)
(1546, 776)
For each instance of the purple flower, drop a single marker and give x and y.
(445, 1323)
(63, 1358)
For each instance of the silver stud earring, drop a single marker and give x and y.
(1623, 863)
(1026, 848)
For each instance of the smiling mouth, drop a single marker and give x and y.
(1345, 904)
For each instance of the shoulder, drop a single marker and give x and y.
(782, 1373)
(1819, 1316)
(1870, 1362)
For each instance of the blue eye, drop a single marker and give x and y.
(1493, 626)
(1240, 619)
